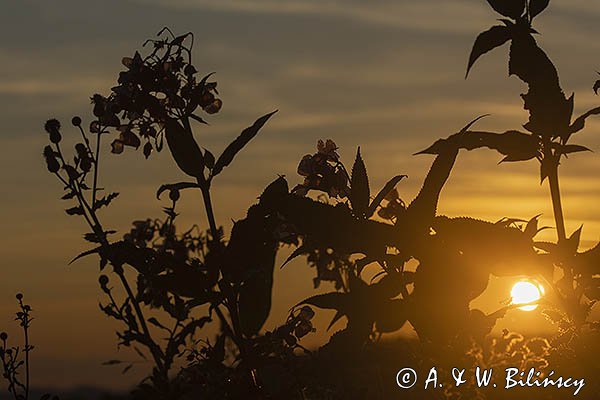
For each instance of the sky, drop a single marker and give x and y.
(385, 75)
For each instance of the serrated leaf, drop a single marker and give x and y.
(238, 144)
(359, 187)
(537, 6)
(509, 8)
(105, 201)
(389, 186)
(496, 36)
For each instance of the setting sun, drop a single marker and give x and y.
(524, 292)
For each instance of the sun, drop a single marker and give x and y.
(526, 291)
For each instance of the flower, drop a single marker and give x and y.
(52, 126)
(323, 171)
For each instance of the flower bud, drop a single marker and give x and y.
(76, 121)
(174, 194)
(52, 126)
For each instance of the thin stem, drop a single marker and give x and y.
(26, 332)
(156, 352)
(96, 162)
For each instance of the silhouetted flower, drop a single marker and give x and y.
(52, 126)
(51, 161)
(323, 171)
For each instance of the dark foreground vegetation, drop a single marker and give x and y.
(165, 283)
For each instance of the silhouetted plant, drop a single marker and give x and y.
(180, 275)
(15, 359)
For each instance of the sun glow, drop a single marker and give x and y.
(524, 292)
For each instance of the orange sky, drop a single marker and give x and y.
(387, 76)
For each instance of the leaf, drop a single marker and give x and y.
(105, 201)
(359, 190)
(546, 246)
(85, 254)
(572, 243)
(175, 186)
(298, 252)
(573, 148)
(531, 229)
(234, 147)
(75, 211)
(139, 353)
(155, 322)
(579, 123)
(496, 36)
(596, 87)
(389, 186)
(330, 301)
(509, 8)
(184, 148)
(209, 159)
(335, 319)
(537, 6)
(112, 362)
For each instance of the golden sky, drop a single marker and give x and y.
(385, 75)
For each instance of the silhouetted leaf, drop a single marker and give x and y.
(75, 211)
(597, 86)
(329, 301)
(531, 229)
(155, 322)
(139, 352)
(209, 159)
(579, 123)
(85, 254)
(359, 190)
(112, 362)
(105, 201)
(389, 186)
(573, 148)
(184, 148)
(572, 243)
(496, 36)
(234, 147)
(175, 186)
(509, 8)
(298, 252)
(537, 6)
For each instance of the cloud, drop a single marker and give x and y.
(455, 16)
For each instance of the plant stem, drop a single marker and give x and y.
(96, 161)
(557, 204)
(26, 333)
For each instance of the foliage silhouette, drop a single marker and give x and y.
(184, 281)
